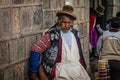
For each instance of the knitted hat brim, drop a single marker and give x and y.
(59, 13)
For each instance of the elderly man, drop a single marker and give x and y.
(62, 54)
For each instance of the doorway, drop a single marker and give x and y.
(94, 4)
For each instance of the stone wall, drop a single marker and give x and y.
(113, 8)
(23, 22)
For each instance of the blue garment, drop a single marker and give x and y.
(67, 37)
(34, 62)
(100, 30)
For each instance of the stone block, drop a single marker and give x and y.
(84, 28)
(46, 4)
(26, 70)
(82, 43)
(82, 14)
(60, 3)
(5, 24)
(2, 2)
(5, 20)
(29, 42)
(53, 4)
(88, 27)
(77, 13)
(37, 18)
(86, 44)
(79, 3)
(116, 2)
(13, 51)
(86, 3)
(25, 20)
(1, 75)
(28, 1)
(80, 29)
(9, 74)
(86, 14)
(37, 1)
(26, 16)
(115, 10)
(18, 1)
(8, 2)
(21, 48)
(54, 16)
(48, 19)
(76, 3)
(86, 57)
(82, 3)
(4, 53)
(15, 20)
(19, 72)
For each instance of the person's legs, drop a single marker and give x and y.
(114, 69)
(93, 54)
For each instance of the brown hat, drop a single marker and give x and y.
(67, 10)
(100, 9)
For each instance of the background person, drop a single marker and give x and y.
(109, 48)
(95, 28)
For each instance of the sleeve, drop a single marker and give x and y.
(37, 49)
(34, 61)
(42, 44)
(99, 45)
(100, 30)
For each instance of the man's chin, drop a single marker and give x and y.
(65, 30)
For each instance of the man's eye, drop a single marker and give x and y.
(66, 22)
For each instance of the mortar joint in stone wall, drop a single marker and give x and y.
(19, 5)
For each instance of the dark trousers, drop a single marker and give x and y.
(92, 54)
(114, 69)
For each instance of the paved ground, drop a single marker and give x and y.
(93, 68)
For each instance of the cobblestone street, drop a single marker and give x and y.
(93, 68)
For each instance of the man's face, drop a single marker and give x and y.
(66, 23)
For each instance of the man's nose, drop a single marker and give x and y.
(67, 24)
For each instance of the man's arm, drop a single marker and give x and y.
(100, 30)
(99, 45)
(34, 65)
(42, 73)
(37, 49)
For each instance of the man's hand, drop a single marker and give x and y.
(98, 26)
(42, 73)
(34, 76)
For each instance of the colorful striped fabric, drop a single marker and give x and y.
(42, 44)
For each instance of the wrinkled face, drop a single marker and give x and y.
(66, 23)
